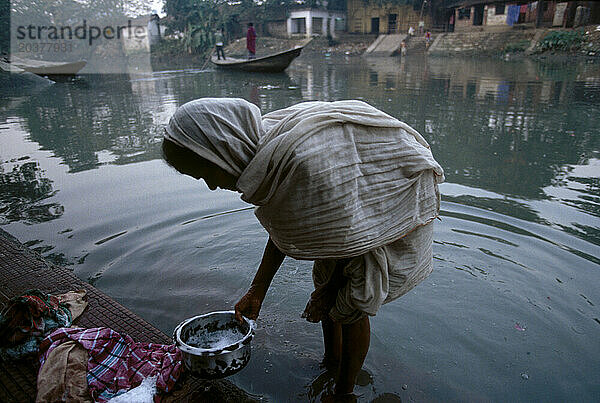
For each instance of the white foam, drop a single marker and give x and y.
(141, 394)
(215, 340)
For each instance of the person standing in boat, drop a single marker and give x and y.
(339, 183)
(251, 41)
(219, 42)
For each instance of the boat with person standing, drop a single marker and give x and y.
(274, 63)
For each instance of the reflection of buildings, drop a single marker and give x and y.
(317, 85)
(489, 123)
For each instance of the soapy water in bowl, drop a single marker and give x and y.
(215, 340)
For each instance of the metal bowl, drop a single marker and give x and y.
(214, 345)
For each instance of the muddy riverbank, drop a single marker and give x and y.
(516, 43)
(507, 44)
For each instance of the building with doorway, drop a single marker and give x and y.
(310, 22)
(370, 17)
(481, 15)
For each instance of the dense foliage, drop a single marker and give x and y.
(561, 40)
(197, 20)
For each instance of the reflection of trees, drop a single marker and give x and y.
(77, 121)
(22, 192)
(125, 118)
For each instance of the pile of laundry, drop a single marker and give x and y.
(78, 364)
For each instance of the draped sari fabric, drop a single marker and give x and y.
(330, 180)
(337, 179)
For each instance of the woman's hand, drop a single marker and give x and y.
(249, 305)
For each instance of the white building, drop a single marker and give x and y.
(311, 22)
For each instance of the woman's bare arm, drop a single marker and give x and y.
(249, 305)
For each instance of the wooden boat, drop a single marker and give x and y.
(46, 68)
(268, 64)
(16, 82)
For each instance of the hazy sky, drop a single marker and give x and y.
(157, 5)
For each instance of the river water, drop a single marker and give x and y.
(511, 311)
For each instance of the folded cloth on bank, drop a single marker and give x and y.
(26, 319)
(116, 363)
(62, 378)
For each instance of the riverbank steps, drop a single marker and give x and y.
(22, 269)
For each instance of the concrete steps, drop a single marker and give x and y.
(415, 44)
(385, 45)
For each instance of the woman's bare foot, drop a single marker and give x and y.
(336, 398)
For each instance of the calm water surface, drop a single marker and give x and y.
(511, 312)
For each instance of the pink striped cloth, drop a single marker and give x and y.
(116, 363)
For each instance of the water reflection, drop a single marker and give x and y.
(24, 192)
(518, 240)
(509, 128)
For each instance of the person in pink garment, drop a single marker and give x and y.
(251, 41)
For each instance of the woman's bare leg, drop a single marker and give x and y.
(355, 345)
(332, 340)
(344, 344)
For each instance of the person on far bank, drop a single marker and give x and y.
(219, 41)
(251, 41)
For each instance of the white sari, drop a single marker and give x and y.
(330, 179)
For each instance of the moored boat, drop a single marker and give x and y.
(275, 63)
(14, 79)
(47, 68)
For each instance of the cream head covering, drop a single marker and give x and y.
(224, 131)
